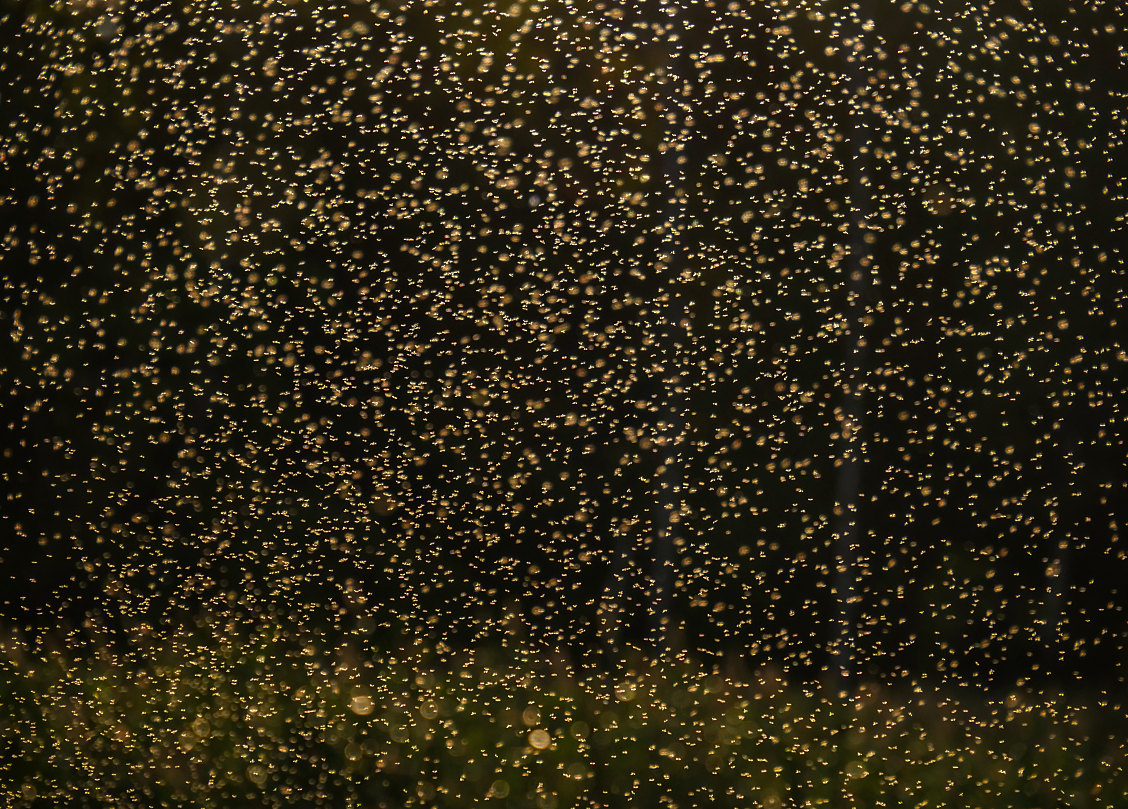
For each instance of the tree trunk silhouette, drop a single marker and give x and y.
(849, 482)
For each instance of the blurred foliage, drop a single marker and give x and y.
(224, 718)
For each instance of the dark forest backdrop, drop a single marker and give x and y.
(757, 330)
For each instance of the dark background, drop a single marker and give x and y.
(462, 320)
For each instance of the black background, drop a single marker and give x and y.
(410, 319)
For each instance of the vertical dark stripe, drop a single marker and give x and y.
(855, 360)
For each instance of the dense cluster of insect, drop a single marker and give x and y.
(780, 334)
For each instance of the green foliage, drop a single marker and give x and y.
(223, 718)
